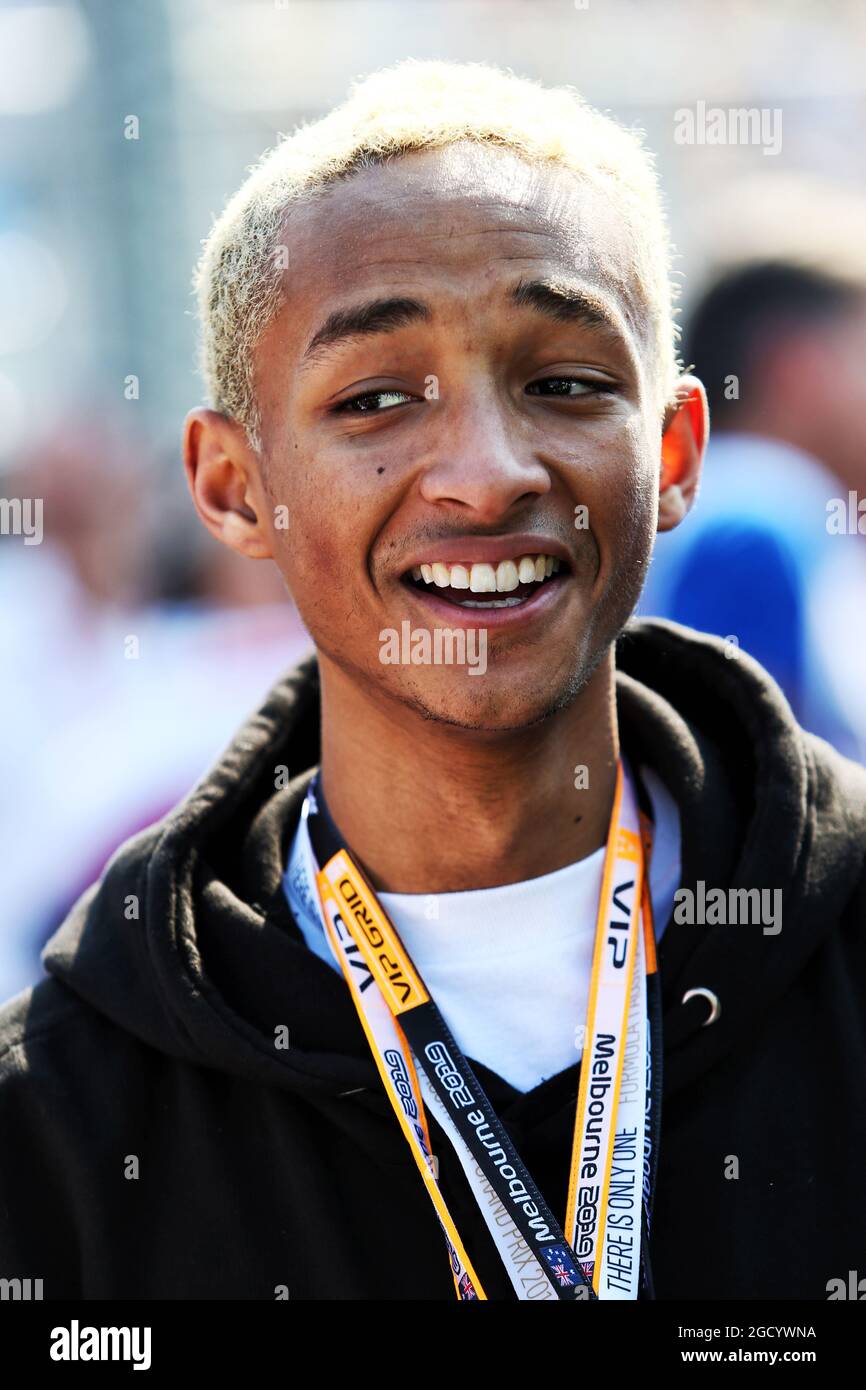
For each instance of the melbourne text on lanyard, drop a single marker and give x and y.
(597, 1254)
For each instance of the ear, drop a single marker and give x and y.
(684, 437)
(223, 474)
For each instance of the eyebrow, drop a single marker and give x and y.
(565, 303)
(363, 320)
(557, 300)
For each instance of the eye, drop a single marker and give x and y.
(372, 402)
(570, 387)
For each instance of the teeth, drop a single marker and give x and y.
(482, 579)
(526, 570)
(489, 579)
(492, 603)
(506, 577)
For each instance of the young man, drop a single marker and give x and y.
(388, 974)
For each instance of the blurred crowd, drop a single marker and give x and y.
(132, 645)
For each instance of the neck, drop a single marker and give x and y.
(427, 808)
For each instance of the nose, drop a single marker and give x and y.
(483, 462)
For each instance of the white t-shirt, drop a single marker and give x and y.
(509, 967)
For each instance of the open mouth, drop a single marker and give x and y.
(508, 584)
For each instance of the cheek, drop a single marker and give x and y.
(626, 498)
(321, 549)
(625, 483)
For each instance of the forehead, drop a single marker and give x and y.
(463, 217)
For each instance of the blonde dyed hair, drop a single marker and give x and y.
(240, 280)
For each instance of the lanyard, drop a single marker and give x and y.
(598, 1252)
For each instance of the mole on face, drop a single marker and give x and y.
(380, 470)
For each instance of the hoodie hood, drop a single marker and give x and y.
(187, 942)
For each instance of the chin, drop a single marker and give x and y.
(501, 704)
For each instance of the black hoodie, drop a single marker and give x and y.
(157, 1143)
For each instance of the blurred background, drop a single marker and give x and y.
(131, 645)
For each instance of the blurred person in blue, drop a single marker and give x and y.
(774, 557)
